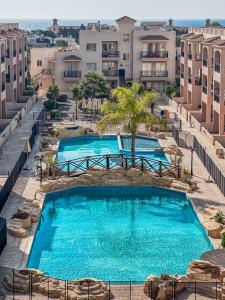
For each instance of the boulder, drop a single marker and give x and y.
(178, 185)
(203, 271)
(15, 228)
(160, 135)
(213, 228)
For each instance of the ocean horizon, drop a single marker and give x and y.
(43, 24)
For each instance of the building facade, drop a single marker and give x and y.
(13, 65)
(202, 84)
(122, 53)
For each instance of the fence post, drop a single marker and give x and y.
(178, 170)
(126, 166)
(48, 288)
(68, 168)
(107, 162)
(195, 290)
(174, 294)
(142, 164)
(160, 168)
(87, 163)
(13, 284)
(109, 291)
(88, 290)
(130, 289)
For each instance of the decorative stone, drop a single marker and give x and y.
(178, 185)
(203, 271)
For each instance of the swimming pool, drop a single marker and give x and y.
(78, 147)
(117, 233)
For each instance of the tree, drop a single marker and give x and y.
(94, 86)
(75, 90)
(53, 90)
(171, 91)
(130, 110)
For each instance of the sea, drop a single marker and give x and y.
(43, 24)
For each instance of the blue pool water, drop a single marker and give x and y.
(78, 147)
(116, 233)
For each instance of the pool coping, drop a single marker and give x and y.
(32, 233)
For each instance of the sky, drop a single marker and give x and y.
(105, 9)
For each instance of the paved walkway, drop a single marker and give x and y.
(13, 147)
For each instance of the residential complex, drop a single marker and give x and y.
(13, 67)
(145, 53)
(202, 84)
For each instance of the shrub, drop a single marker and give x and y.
(223, 241)
(62, 98)
(50, 104)
(54, 113)
(50, 95)
(219, 218)
(171, 91)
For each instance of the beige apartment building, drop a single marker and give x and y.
(13, 65)
(202, 84)
(125, 52)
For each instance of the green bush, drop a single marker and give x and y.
(54, 113)
(219, 217)
(223, 241)
(171, 91)
(62, 98)
(50, 105)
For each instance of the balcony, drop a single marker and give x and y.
(190, 56)
(217, 68)
(7, 76)
(156, 54)
(72, 74)
(21, 72)
(154, 73)
(7, 53)
(217, 95)
(2, 59)
(111, 53)
(205, 62)
(14, 53)
(182, 53)
(14, 77)
(110, 72)
(20, 51)
(198, 81)
(190, 80)
(182, 75)
(205, 89)
(198, 56)
(3, 87)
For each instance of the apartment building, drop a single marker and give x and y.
(13, 65)
(202, 84)
(126, 52)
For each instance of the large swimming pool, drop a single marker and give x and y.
(116, 233)
(78, 147)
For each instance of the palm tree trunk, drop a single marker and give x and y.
(133, 150)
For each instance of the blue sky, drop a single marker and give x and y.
(93, 9)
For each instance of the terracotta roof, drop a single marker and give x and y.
(126, 17)
(72, 57)
(154, 38)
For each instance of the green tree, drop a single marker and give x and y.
(75, 90)
(54, 91)
(130, 110)
(171, 91)
(94, 86)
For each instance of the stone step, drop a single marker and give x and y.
(207, 289)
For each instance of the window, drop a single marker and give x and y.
(91, 47)
(39, 63)
(91, 67)
(126, 37)
(125, 56)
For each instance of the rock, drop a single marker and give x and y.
(14, 228)
(160, 135)
(178, 185)
(213, 228)
(203, 271)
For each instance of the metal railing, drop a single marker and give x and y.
(72, 73)
(190, 80)
(216, 96)
(3, 234)
(154, 54)
(205, 89)
(198, 80)
(217, 68)
(110, 72)
(110, 53)
(154, 73)
(28, 284)
(112, 161)
(205, 62)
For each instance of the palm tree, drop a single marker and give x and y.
(75, 90)
(129, 110)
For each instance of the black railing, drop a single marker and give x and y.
(2, 59)
(3, 234)
(198, 80)
(110, 72)
(182, 54)
(217, 68)
(14, 77)
(190, 80)
(216, 96)
(112, 161)
(20, 51)
(154, 73)
(72, 73)
(110, 53)
(7, 53)
(14, 53)
(182, 75)
(3, 87)
(7, 76)
(29, 284)
(205, 89)
(154, 54)
(190, 56)
(21, 72)
(205, 62)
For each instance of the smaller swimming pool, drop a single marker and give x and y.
(83, 146)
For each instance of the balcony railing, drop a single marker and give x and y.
(198, 80)
(7, 53)
(21, 72)
(3, 87)
(7, 76)
(182, 75)
(182, 53)
(190, 56)
(14, 53)
(110, 53)
(72, 74)
(217, 95)
(198, 56)
(25, 68)
(205, 62)
(14, 77)
(154, 73)
(190, 80)
(156, 54)
(20, 51)
(110, 72)
(205, 89)
(217, 68)
(2, 59)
